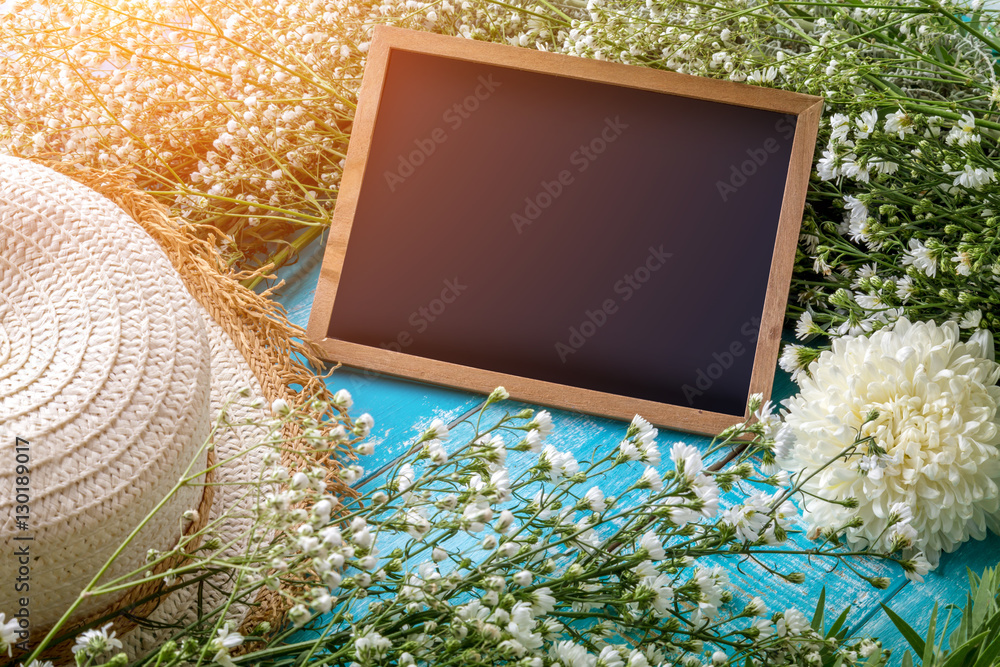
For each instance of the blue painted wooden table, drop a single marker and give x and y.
(401, 408)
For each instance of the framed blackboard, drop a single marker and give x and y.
(593, 236)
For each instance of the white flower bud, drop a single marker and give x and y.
(523, 578)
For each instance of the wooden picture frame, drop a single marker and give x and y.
(805, 109)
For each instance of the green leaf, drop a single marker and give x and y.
(907, 660)
(874, 660)
(817, 622)
(984, 601)
(838, 624)
(957, 655)
(988, 655)
(904, 629)
(928, 653)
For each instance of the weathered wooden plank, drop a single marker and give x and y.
(947, 584)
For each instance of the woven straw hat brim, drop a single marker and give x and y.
(113, 373)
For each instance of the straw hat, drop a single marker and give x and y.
(111, 375)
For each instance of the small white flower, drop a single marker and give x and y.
(9, 634)
(653, 546)
(342, 399)
(439, 554)
(523, 578)
(533, 439)
(641, 429)
(504, 522)
(637, 659)
(687, 459)
(858, 218)
(224, 641)
(916, 567)
(963, 263)
(783, 442)
(650, 479)
(363, 425)
(570, 654)
(973, 178)
(840, 126)
(899, 123)
(629, 450)
(436, 452)
(541, 601)
(756, 607)
(971, 319)
(299, 481)
(793, 623)
(609, 657)
(920, 257)
(826, 166)
(370, 646)
(279, 407)
(866, 124)
(901, 536)
(95, 642)
(404, 478)
(805, 327)
(437, 430)
(963, 132)
(498, 394)
(541, 423)
(904, 288)
(765, 627)
(560, 464)
(595, 500)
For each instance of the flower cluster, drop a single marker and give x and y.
(491, 538)
(895, 438)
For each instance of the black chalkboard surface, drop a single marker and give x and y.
(588, 240)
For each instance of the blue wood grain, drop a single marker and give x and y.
(947, 584)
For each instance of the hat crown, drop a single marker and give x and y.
(105, 375)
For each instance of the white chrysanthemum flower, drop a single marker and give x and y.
(936, 431)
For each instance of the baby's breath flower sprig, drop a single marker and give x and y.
(495, 549)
